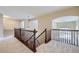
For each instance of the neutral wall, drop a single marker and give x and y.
(10, 24)
(45, 20)
(1, 25)
(31, 25)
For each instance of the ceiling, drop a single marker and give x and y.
(25, 12)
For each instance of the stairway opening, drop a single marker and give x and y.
(29, 38)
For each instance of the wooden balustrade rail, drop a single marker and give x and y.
(66, 36)
(18, 35)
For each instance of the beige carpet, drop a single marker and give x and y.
(57, 47)
(13, 46)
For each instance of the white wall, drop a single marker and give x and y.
(22, 24)
(32, 24)
(10, 24)
(1, 25)
(77, 24)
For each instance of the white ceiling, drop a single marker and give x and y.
(25, 12)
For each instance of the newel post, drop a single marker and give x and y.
(20, 34)
(45, 35)
(34, 45)
(14, 32)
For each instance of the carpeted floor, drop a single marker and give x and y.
(13, 46)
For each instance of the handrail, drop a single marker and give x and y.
(30, 37)
(65, 29)
(29, 30)
(38, 42)
(34, 37)
(66, 36)
(25, 42)
(45, 31)
(25, 30)
(41, 34)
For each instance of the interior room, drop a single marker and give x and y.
(39, 29)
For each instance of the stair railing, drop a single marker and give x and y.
(18, 35)
(66, 36)
(45, 31)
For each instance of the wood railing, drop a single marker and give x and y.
(66, 36)
(32, 42)
(17, 33)
(45, 31)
